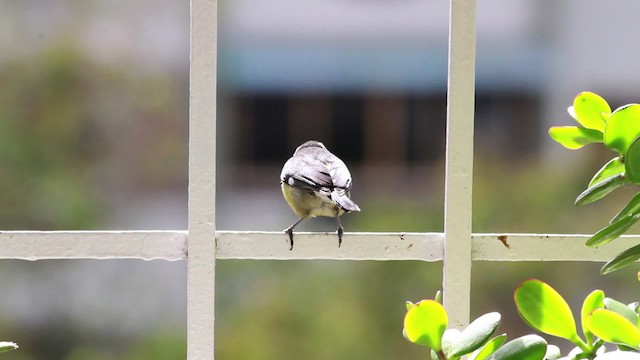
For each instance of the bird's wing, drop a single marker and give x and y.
(341, 185)
(317, 168)
(340, 175)
(306, 170)
(322, 172)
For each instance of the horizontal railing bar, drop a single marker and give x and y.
(144, 245)
(355, 246)
(545, 247)
(415, 246)
(172, 245)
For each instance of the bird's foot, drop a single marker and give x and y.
(289, 231)
(340, 232)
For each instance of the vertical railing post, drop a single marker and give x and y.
(459, 161)
(201, 255)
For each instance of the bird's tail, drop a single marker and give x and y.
(340, 197)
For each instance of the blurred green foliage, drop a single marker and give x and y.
(618, 131)
(56, 162)
(167, 344)
(59, 115)
(48, 142)
(317, 310)
(72, 129)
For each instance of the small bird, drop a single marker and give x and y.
(316, 183)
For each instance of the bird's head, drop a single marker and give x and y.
(310, 144)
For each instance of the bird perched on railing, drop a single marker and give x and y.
(316, 183)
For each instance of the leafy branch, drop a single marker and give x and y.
(604, 320)
(619, 131)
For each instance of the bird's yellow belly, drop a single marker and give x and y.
(306, 204)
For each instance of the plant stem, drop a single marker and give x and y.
(582, 345)
(441, 355)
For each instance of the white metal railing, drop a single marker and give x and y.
(459, 161)
(201, 244)
(258, 245)
(201, 249)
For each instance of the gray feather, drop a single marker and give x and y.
(312, 166)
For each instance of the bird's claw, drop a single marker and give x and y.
(289, 231)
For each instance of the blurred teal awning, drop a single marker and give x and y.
(277, 68)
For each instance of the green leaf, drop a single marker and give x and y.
(545, 310)
(622, 128)
(449, 338)
(528, 347)
(632, 161)
(438, 296)
(625, 348)
(632, 208)
(553, 352)
(476, 334)
(621, 260)
(614, 328)
(613, 231)
(601, 189)
(573, 137)
(425, 324)
(615, 166)
(7, 346)
(593, 301)
(489, 348)
(588, 108)
(434, 356)
(622, 309)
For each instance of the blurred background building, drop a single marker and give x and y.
(94, 133)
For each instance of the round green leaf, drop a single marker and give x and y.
(632, 161)
(528, 347)
(593, 301)
(489, 348)
(613, 231)
(632, 208)
(622, 309)
(425, 323)
(545, 310)
(601, 189)
(588, 108)
(573, 137)
(614, 328)
(7, 345)
(615, 166)
(621, 260)
(622, 128)
(476, 334)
